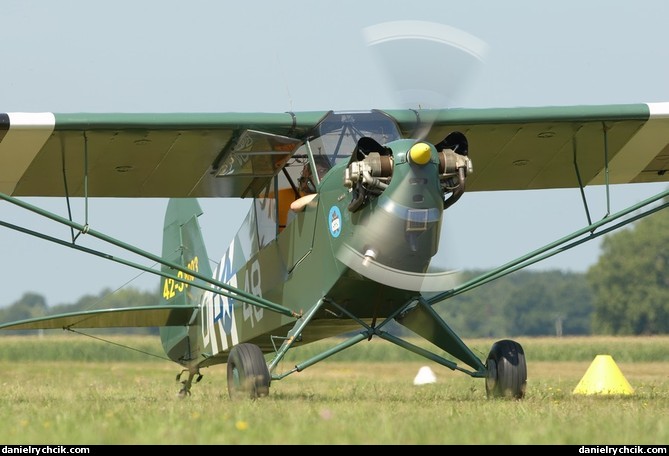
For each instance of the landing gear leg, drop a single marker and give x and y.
(507, 371)
(185, 389)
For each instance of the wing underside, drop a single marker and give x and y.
(134, 317)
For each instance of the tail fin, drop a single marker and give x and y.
(183, 245)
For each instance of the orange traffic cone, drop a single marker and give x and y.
(603, 377)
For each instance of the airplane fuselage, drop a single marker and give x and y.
(323, 253)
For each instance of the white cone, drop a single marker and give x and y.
(424, 376)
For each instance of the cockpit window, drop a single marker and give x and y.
(307, 182)
(338, 134)
(333, 141)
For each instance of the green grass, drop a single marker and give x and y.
(57, 392)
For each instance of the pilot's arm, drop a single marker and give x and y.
(299, 204)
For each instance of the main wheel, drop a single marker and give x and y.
(507, 371)
(248, 376)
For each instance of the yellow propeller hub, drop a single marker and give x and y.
(420, 153)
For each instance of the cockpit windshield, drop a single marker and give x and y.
(333, 141)
(338, 133)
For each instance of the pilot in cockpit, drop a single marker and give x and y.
(307, 183)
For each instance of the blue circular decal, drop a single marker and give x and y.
(334, 221)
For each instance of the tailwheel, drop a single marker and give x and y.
(507, 371)
(185, 389)
(248, 376)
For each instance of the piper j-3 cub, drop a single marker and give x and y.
(346, 216)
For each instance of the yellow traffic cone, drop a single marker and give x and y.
(603, 377)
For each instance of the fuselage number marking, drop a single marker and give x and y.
(171, 287)
(254, 313)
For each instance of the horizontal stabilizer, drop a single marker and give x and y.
(129, 317)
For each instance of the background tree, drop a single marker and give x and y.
(631, 279)
(30, 305)
(479, 312)
(552, 303)
(545, 303)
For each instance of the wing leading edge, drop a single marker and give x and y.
(134, 317)
(236, 154)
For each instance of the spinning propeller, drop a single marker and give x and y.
(400, 47)
(399, 190)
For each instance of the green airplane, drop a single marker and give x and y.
(345, 219)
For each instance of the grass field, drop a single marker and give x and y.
(58, 391)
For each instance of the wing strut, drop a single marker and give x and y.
(607, 185)
(556, 247)
(143, 352)
(232, 292)
(67, 191)
(581, 187)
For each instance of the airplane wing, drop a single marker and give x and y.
(543, 147)
(236, 154)
(146, 155)
(134, 317)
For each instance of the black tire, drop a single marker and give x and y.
(248, 376)
(507, 370)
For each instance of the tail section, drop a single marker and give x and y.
(183, 245)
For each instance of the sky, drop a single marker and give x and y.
(300, 55)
